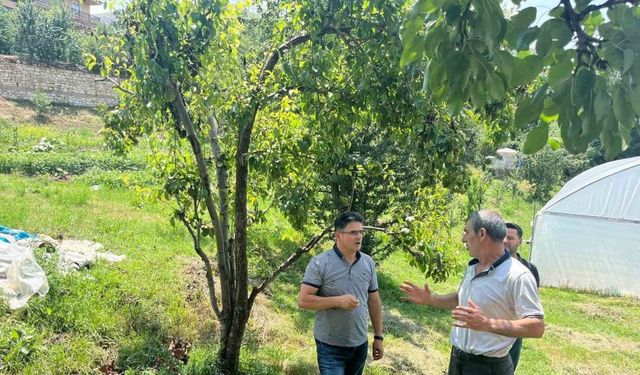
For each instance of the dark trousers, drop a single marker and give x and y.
(461, 363)
(341, 360)
(514, 353)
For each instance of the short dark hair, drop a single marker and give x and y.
(516, 227)
(347, 217)
(491, 222)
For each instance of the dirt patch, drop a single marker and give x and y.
(197, 297)
(598, 311)
(61, 117)
(401, 357)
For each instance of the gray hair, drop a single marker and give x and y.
(491, 222)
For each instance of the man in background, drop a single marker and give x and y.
(512, 241)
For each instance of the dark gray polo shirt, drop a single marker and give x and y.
(334, 276)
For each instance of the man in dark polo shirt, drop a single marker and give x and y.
(512, 241)
(497, 301)
(342, 287)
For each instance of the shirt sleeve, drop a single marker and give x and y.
(313, 276)
(536, 275)
(526, 297)
(373, 283)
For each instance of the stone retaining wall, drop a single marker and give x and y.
(65, 85)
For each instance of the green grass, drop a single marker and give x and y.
(128, 313)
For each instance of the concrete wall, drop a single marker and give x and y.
(65, 85)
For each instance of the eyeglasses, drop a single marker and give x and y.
(353, 232)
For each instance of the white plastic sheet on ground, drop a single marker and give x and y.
(588, 235)
(20, 276)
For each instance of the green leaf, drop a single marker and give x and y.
(592, 21)
(523, 19)
(504, 61)
(560, 72)
(559, 31)
(496, 86)
(526, 70)
(634, 98)
(590, 127)
(582, 86)
(602, 105)
(628, 60)
(435, 74)
(90, 61)
(612, 143)
(555, 143)
(452, 13)
(536, 139)
(478, 95)
(412, 52)
(530, 108)
(557, 12)
(519, 23)
(544, 41)
(622, 108)
(527, 37)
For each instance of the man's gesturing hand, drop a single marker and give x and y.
(470, 317)
(348, 302)
(415, 294)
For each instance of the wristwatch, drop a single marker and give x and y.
(376, 337)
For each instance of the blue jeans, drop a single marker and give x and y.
(515, 352)
(341, 360)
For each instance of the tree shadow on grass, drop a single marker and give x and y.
(405, 319)
(146, 345)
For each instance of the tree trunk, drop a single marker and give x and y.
(230, 345)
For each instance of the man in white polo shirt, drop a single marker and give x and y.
(496, 302)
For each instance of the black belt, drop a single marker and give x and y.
(476, 357)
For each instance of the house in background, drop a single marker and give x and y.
(79, 10)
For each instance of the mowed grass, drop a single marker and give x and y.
(126, 315)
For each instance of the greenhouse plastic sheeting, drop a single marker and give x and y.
(20, 276)
(588, 235)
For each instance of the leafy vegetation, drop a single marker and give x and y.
(327, 122)
(46, 34)
(133, 317)
(591, 87)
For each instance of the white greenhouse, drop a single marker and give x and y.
(588, 236)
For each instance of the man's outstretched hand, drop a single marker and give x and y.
(416, 294)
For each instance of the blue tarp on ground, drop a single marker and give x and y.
(16, 234)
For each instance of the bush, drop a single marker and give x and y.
(56, 164)
(6, 32)
(45, 35)
(547, 170)
(43, 103)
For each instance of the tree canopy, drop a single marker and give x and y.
(589, 55)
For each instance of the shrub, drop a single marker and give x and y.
(6, 32)
(33, 164)
(547, 170)
(43, 102)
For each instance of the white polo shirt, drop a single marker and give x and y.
(507, 290)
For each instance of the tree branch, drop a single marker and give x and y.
(211, 285)
(221, 174)
(116, 85)
(226, 277)
(280, 50)
(608, 4)
(292, 258)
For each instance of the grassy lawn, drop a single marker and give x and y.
(128, 315)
